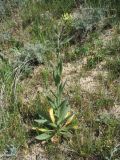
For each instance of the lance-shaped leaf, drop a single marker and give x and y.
(57, 79)
(63, 110)
(51, 102)
(40, 129)
(43, 136)
(52, 125)
(40, 121)
(70, 120)
(51, 112)
(61, 87)
(53, 93)
(63, 103)
(60, 67)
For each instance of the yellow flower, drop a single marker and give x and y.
(67, 17)
(52, 115)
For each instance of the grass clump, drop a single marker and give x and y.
(97, 138)
(11, 124)
(94, 60)
(113, 67)
(113, 46)
(105, 103)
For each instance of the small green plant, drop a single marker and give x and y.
(93, 61)
(103, 102)
(114, 152)
(112, 47)
(113, 67)
(97, 137)
(60, 120)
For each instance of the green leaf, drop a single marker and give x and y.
(41, 121)
(60, 66)
(61, 87)
(66, 40)
(43, 136)
(51, 102)
(53, 93)
(49, 99)
(56, 76)
(57, 79)
(63, 103)
(53, 125)
(63, 110)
